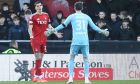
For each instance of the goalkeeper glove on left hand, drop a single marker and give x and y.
(48, 32)
(105, 32)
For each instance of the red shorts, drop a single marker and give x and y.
(38, 46)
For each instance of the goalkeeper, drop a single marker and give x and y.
(80, 41)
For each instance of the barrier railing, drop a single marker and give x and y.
(63, 46)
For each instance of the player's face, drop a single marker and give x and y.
(39, 7)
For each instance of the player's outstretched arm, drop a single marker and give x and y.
(92, 25)
(65, 24)
(51, 30)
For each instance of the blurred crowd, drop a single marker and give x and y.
(120, 17)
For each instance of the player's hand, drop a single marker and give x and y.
(105, 32)
(59, 35)
(31, 37)
(48, 32)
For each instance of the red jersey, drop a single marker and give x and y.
(40, 24)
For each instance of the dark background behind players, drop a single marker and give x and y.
(91, 7)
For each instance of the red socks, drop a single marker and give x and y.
(37, 67)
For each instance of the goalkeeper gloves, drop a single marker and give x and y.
(105, 32)
(48, 32)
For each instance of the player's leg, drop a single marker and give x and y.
(85, 52)
(86, 69)
(38, 60)
(73, 52)
(38, 77)
(40, 56)
(71, 68)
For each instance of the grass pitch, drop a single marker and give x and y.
(80, 82)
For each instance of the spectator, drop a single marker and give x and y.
(130, 17)
(12, 15)
(98, 5)
(13, 49)
(3, 28)
(57, 20)
(5, 9)
(26, 10)
(16, 32)
(102, 15)
(126, 32)
(26, 7)
(101, 24)
(67, 32)
(19, 5)
(6, 12)
(27, 14)
(114, 24)
(24, 24)
(123, 15)
(24, 19)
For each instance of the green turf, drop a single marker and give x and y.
(80, 82)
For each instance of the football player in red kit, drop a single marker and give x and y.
(38, 24)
